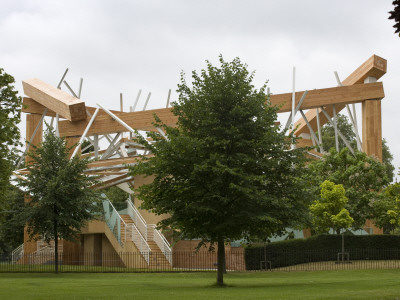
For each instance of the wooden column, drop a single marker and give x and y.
(372, 128)
(372, 138)
(31, 122)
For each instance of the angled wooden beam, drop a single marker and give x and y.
(375, 66)
(60, 102)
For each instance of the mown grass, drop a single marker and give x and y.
(348, 284)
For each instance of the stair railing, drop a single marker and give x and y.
(162, 243)
(137, 218)
(17, 253)
(138, 239)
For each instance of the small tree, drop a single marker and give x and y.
(226, 172)
(61, 199)
(362, 177)
(329, 211)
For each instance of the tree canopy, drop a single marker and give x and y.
(11, 222)
(225, 172)
(61, 201)
(362, 176)
(387, 210)
(345, 127)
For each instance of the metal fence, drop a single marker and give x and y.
(188, 261)
(180, 261)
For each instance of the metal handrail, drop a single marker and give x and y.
(135, 216)
(162, 243)
(17, 253)
(147, 250)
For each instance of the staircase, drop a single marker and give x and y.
(156, 258)
(45, 252)
(131, 227)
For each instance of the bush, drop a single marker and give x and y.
(321, 248)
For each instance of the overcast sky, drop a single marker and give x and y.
(122, 46)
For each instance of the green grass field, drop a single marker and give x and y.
(350, 284)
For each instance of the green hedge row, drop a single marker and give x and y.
(322, 248)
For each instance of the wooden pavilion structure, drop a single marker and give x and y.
(134, 231)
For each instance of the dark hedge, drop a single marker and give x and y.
(322, 248)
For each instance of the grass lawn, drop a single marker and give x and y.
(348, 284)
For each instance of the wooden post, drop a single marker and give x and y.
(372, 128)
(372, 136)
(31, 122)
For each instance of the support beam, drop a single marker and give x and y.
(143, 120)
(340, 95)
(55, 99)
(372, 128)
(140, 120)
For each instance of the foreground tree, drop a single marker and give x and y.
(10, 116)
(225, 172)
(61, 199)
(362, 176)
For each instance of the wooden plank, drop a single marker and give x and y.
(140, 120)
(33, 107)
(375, 66)
(329, 96)
(143, 120)
(64, 104)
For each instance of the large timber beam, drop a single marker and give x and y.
(140, 120)
(143, 120)
(375, 66)
(325, 97)
(64, 104)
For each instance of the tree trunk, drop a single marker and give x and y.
(221, 260)
(55, 247)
